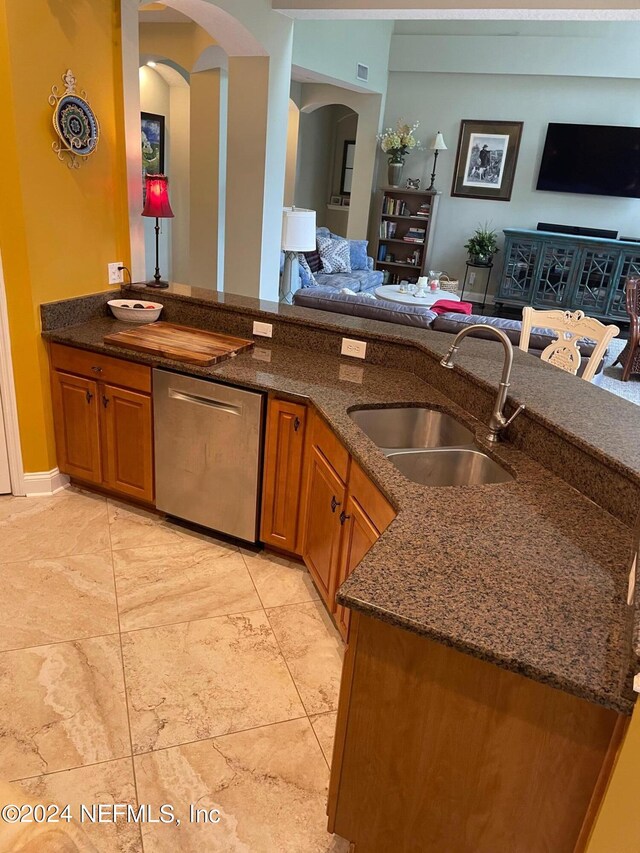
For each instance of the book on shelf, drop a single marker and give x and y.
(415, 235)
(395, 207)
(382, 253)
(387, 230)
(424, 209)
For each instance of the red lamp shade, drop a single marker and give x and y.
(157, 197)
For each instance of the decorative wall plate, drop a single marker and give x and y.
(74, 121)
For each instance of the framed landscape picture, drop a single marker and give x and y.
(152, 135)
(486, 159)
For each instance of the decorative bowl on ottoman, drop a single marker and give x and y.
(135, 310)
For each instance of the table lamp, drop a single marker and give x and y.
(157, 204)
(436, 146)
(298, 235)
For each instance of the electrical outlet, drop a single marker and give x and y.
(263, 329)
(472, 278)
(357, 349)
(116, 275)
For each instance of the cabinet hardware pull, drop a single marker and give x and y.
(89, 396)
(334, 503)
(97, 369)
(105, 400)
(296, 424)
(343, 517)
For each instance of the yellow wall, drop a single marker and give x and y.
(59, 227)
(617, 827)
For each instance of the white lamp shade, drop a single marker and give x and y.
(298, 229)
(438, 143)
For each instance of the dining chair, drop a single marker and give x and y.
(571, 327)
(629, 358)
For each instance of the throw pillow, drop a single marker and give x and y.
(358, 254)
(334, 254)
(307, 278)
(313, 259)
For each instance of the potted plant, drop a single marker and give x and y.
(396, 144)
(482, 246)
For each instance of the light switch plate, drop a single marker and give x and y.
(265, 330)
(357, 349)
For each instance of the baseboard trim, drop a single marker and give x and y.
(41, 483)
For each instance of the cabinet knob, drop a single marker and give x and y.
(296, 424)
(89, 396)
(105, 400)
(97, 369)
(334, 503)
(343, 517)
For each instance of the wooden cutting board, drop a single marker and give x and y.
(180, 343)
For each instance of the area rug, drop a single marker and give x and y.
(612, 376)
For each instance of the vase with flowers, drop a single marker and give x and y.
(397, 143)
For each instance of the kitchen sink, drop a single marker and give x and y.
(411, 426)
(449, 467)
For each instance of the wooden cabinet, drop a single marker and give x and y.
(283, 470)
(343, 513)
(77, 426)
(467, 757)
(397, 217)
(358, 536)
(366, 515)
(128, 439)
(103, 421)
(325, 500)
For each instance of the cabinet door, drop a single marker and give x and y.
(282, 482)
(518, 276)
(77, 426)
(359, 534)
(325, 501)
(557, 275)
(127, 442)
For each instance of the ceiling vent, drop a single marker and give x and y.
(362, 72)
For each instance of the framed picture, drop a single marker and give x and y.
(336, 199)
(346, 202)
(486, 159)
(152, 134)
(348, 157)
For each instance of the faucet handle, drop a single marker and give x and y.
(508, 422)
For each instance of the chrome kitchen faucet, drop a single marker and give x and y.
(497, 422)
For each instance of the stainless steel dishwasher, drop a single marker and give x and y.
(208, 444)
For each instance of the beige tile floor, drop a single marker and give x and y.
(144, 663)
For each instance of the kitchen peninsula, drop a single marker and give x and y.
(488, 677)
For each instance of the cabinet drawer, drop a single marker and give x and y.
(329, 445)
(103, 368)
(376, 506)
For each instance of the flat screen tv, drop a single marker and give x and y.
(591, 158)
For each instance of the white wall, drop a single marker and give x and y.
(333, 49)
(440, 101)
(315, 160)
(438, 75)
(179, 187)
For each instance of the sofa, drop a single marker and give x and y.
(368, 306)
(361, 278)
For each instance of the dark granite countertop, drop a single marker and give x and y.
(530, 575)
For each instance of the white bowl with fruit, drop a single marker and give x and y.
(135, 310)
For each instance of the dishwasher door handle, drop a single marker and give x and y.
(220, 406)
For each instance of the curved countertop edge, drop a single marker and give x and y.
(430, 342)
(621, 703)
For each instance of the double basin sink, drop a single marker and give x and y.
(429, 447)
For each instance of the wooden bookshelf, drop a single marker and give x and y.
(395, 216)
